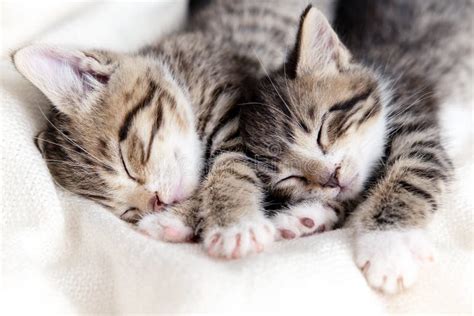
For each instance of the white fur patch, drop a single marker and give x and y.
(297, 221)
(248, 236)
(390, 260)
(165, 226)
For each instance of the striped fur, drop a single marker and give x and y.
(314, 119)
(131, 131)
(362, 127)
(406, 189)
(375, 127)
(124, 139)
(231, 197)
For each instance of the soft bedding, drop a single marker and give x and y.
(62, 254)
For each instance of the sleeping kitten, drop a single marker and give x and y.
(138, 132)
(260, 32)
(362, 128)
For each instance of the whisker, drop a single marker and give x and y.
(274, 87)
(71, 150)
(83, 167)
(270, 106)
(67, 138)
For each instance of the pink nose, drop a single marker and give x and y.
(333, 180)
(155, 203)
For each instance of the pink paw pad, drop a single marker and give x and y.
(303, 220)
(249, 236)
(165, 226)
(321, 229)
(287, 234)
(176, 235)
(212, 248)
(308, 222)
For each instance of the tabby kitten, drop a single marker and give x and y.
(139, 132)
(363, 127)
(259, 31)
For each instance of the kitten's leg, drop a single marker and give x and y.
(175, 223)
(305, 218)
(233, 220)
(390, 244)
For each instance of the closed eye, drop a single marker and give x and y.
(349, 104)
(293, 178)
(131, 209)
(131, 215)
(320, 144)
(125, 166)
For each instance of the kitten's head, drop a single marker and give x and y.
(121, 130)
(318, 122)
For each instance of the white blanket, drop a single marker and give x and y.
(62, 254)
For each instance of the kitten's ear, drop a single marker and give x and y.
(317, 48)
(71, 79)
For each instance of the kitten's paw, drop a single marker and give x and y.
(248, 236)
(390, 260)
(165, 226)
(304, 219)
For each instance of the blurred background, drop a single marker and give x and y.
(120, 25)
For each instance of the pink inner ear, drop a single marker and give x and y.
(325, 40)
(61, 61)
(58, 68)
(65, 76)
(321, 33)
(58, 60)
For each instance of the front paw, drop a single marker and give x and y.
(304, 219)
(165, 226)
(390, 260)
(247, 236)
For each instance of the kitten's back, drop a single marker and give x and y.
(261, 30)
(431, 39)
